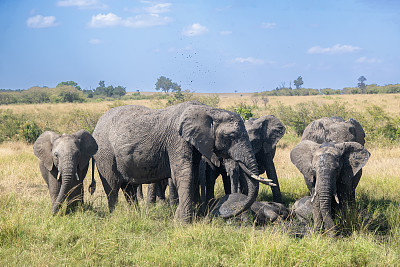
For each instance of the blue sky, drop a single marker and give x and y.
(205, 46)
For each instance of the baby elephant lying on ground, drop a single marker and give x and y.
(263, 212)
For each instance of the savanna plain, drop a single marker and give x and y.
(149, 236)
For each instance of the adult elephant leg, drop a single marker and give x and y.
(173, 193)
(151, 193)
(130, 192)
(271, 174)
(139, 192)
(185, 172)
(110, 181)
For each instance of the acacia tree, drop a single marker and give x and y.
(361, 84)
(70, 83)
(165, 84)
(298, 82)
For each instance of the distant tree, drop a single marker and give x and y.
(119, 91)
(165, 84)
(298, 82)
(70, 83)
(361, 84)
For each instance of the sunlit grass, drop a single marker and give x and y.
(149, 236)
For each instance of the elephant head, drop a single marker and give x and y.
(334, 129)
(63, 160)
(218, 135)
(264, 134)
(329, 171)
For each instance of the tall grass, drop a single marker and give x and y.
(149, 236)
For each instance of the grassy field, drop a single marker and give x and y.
(148, 236)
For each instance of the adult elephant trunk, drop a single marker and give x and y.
(67, 175)
(230, 205)
(326, 191)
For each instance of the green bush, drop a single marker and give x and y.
(9, 125)
(30, 131)
(81, 119)
(245, 111)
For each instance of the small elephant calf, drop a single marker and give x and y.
(63, 162)
(263, 212)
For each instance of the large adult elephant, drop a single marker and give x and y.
(63, 163)
(139, 145)
(264, 134)
(329, 172)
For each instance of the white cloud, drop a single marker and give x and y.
(95, 41)
(81, 4)
(39, 21)
(139, 21)
(368, 60)
(250, 60)
(336, 49)
(158, 8)
(226, 32)
(194, 30)
(268, 25)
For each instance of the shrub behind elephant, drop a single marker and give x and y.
(63, 163)
(138, 145)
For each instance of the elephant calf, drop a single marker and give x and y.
(63, 163)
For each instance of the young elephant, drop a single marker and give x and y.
(329, 172)
(63, 163)
(262, 212)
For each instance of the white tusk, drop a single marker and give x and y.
(313, 196)
(58, 175)
(255, 177)
(77, 176)
(336, 198)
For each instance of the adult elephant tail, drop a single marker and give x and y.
(92, 186)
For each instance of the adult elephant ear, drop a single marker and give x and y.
(88, 147)
(302, 156)
(42, 148)
(196, 127)
(274, 130)
(355, 156)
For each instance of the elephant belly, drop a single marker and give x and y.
(143, 170)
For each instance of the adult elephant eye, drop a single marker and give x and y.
(56, 154)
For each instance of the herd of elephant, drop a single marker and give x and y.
(188, 145)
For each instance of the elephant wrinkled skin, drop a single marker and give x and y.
(138, 145)
(329, 172)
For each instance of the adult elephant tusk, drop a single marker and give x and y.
(255, 177)
(313, 196)
(58, 175)
(336, 198)
(77, 176)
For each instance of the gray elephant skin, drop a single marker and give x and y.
(329, 172)
(139, 145)
(264, 133)
(334, 129)
(63, 163)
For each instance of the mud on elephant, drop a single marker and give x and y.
(138, 145)
(63, 163)
(330, 174)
